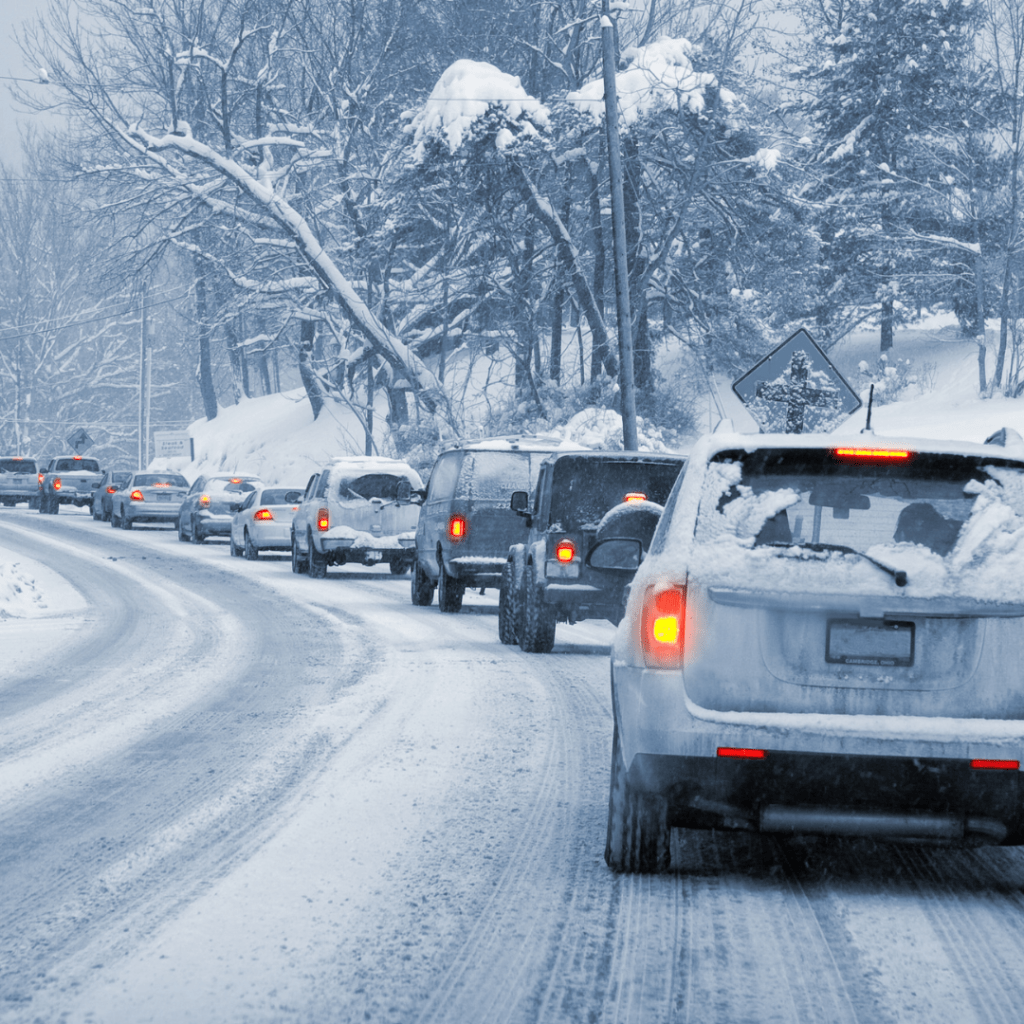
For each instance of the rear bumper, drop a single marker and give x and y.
(476, 568)
(138, 512)
(894, 798)
(213, 524)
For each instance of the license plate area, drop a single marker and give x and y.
(873, 642)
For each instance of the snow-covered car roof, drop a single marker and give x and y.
(360, 465)
(520, 443)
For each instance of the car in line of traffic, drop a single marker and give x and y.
(148, 498)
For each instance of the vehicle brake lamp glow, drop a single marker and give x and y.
(565, 551)
(748, 753)
(982, 762)
(136, 495)
(263, 514)
(111, 490)
(56, 484)
(236, 480)
(323, 520)
(457, 527)
(661, 626)
(77, 458)
(871, 453)
(635, 496)
(204, 500)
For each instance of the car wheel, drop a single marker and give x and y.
(126, 522)
(506, 606)
(181, 530)
(422, 587)
(449, 592)
(235, 550)
(399, 565)
(98, 516)
(252, 553)
(638, 831)
(115, 522)
(537, 627)
(194, 533)
(317, 561)
(299, 564)
(54, 505)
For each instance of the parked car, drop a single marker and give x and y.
(825, 638)
(148, 498)
(102, 496)
(581, 500)
(466, 525)
(18, 481)
(211, 503)
(360, 510)
(264, 521)
(68, 480)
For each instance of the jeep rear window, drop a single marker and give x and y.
(17, 466)
(584, 489)
(966, 511)
(497, 474)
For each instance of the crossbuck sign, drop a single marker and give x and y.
(796, 389)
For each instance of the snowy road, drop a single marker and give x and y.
(228, 793)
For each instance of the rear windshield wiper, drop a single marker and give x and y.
(898, 575)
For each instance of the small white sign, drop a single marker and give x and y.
(172, 444)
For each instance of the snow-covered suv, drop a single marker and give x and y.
(825, 638)
(360, 510)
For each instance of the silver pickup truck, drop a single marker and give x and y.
(68, 480)
(18, 481)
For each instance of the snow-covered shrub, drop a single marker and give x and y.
(895, 379)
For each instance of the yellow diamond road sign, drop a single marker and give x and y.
(796, 389)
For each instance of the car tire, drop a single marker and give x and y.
(299, 564)
(194, 534)
(639, 836)
(317, 561)
(236, 551)
(115, 522)
(449, 592)
(126, 522)
(399, 565)
(252, 553)
(98, 516)
(422, 587)
(506, 606)
(537, 625)
(181, 531)
(54, 505)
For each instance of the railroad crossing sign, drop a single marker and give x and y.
(79, 440)
(796, 389)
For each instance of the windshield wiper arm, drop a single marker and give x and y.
(898, 575)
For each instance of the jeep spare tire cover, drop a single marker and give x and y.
(636, 520)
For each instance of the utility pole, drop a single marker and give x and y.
(627, 388)
(143, 384)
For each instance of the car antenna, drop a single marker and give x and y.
(867, 426)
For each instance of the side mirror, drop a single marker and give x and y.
(616, 555)
(520, 503)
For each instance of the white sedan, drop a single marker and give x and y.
(264, 521)
(148, 498)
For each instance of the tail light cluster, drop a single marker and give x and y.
(565, 551)
(662, 623)
(56, 483)
(323, 520)
(137, 495)
(1008, 766)
(263, 514)
(111, 490)
(204, 501)
(457, 527)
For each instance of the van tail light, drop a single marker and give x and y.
(323, 520)
(56, 483)
(635, 496)
(457, 527)
(263, 514)
(565, 551)
(204, 501)
(136, 495)
(1008, 766)
(661, 626)
(746, 753)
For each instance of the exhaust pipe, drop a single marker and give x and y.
(828, 821)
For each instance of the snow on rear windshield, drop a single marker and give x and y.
(584, 489)
(953, 523)
(497, 474)
(372, 485)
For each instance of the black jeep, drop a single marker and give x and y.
(582, 500)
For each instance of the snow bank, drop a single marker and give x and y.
(28, 590)
(602, 429)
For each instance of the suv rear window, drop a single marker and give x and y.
(583, 490)
(371, 485)
(964, 510)
(281, 497)
(497, 474)
(77, 466)
(17, 466)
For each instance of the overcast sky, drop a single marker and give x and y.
(12, 14)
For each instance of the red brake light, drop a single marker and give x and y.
(136, 495)
(871, 454)
(750, 753)
(661, 626)
(77, 458)
(263, 513)
(56, 484)
(323, 520)
(635, 496)
(161, 483)
(457, 527)
(981, 762)
(111, 490)
(236, 480)
(40, 478)
(565, 551)
(204, 500)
